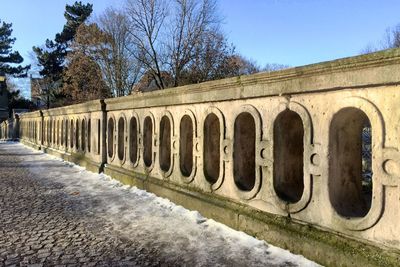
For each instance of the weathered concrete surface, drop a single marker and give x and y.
(43, 223)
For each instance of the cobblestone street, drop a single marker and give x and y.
(43, 225)
(53, 214)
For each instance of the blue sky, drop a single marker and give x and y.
(300, 32)
(290, 32)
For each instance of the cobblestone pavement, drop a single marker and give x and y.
(55, 214)
(41, 225)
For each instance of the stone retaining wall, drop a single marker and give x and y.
(278, 155)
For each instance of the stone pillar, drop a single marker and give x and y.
(16, 127)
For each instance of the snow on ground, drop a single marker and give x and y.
(157, 222)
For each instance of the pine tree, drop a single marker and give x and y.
(75, 16)
(52, 56)
(7, 56)
(51, 59)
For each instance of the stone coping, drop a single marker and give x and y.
(90, 106)
(28, 115)
(353, 72)
(87, 107)
(345, 73)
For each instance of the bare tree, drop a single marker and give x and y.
(146, 20)
(182, 46)
(217, 59)
(190, 25)
(176, 45)
(211, 59)
(370, 48)
(119, 63)
(35, 68)
(392, 37)
(108, 45)
(46, 92)
(274, 67)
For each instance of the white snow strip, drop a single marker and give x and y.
(157, 222)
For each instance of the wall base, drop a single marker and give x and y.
(125, 177)
(76, 158)
(30, 144)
